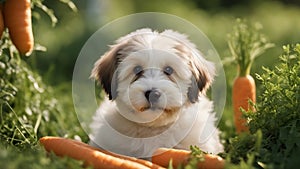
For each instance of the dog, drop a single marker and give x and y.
(156, 85)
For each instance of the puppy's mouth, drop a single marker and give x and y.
(157, 116)
(155, 108)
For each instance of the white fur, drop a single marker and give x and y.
(128, 126)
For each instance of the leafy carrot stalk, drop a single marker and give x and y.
(1, 21)
(179, 158)
(17, 18)
(245, 44)
(91, 157)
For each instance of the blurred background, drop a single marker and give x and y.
(279, 19)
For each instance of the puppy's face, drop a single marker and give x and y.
(151, 76)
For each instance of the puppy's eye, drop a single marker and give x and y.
(137, 70)
(168, 70)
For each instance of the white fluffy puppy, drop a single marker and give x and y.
(156, 83)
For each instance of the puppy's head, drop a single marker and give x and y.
(152, 75)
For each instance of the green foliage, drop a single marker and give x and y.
(34, 158)
(280, 99)
(278, 112)
(28, 111)
(245, 44)
(277, 117)
(196, 156)
(28, 108)
(40, 4)
(243, 149)
(17, 127)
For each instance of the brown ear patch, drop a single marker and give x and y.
(193, 91)
(201, 76)
(201, 73)
(105, 70)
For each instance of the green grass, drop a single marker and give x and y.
(34, 158)
(30, 109)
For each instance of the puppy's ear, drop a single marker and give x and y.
(202, 70)
(105, 70)
(193, 90)
(202, 77)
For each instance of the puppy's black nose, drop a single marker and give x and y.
(152, 95)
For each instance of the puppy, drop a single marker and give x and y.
(156, 84)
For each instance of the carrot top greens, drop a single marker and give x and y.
(246, 43)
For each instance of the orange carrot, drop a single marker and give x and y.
(243, 91)
(162, 156)
(1, 21)
(91, 157)
(17, 18)
(245, 44)
(143, 162)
